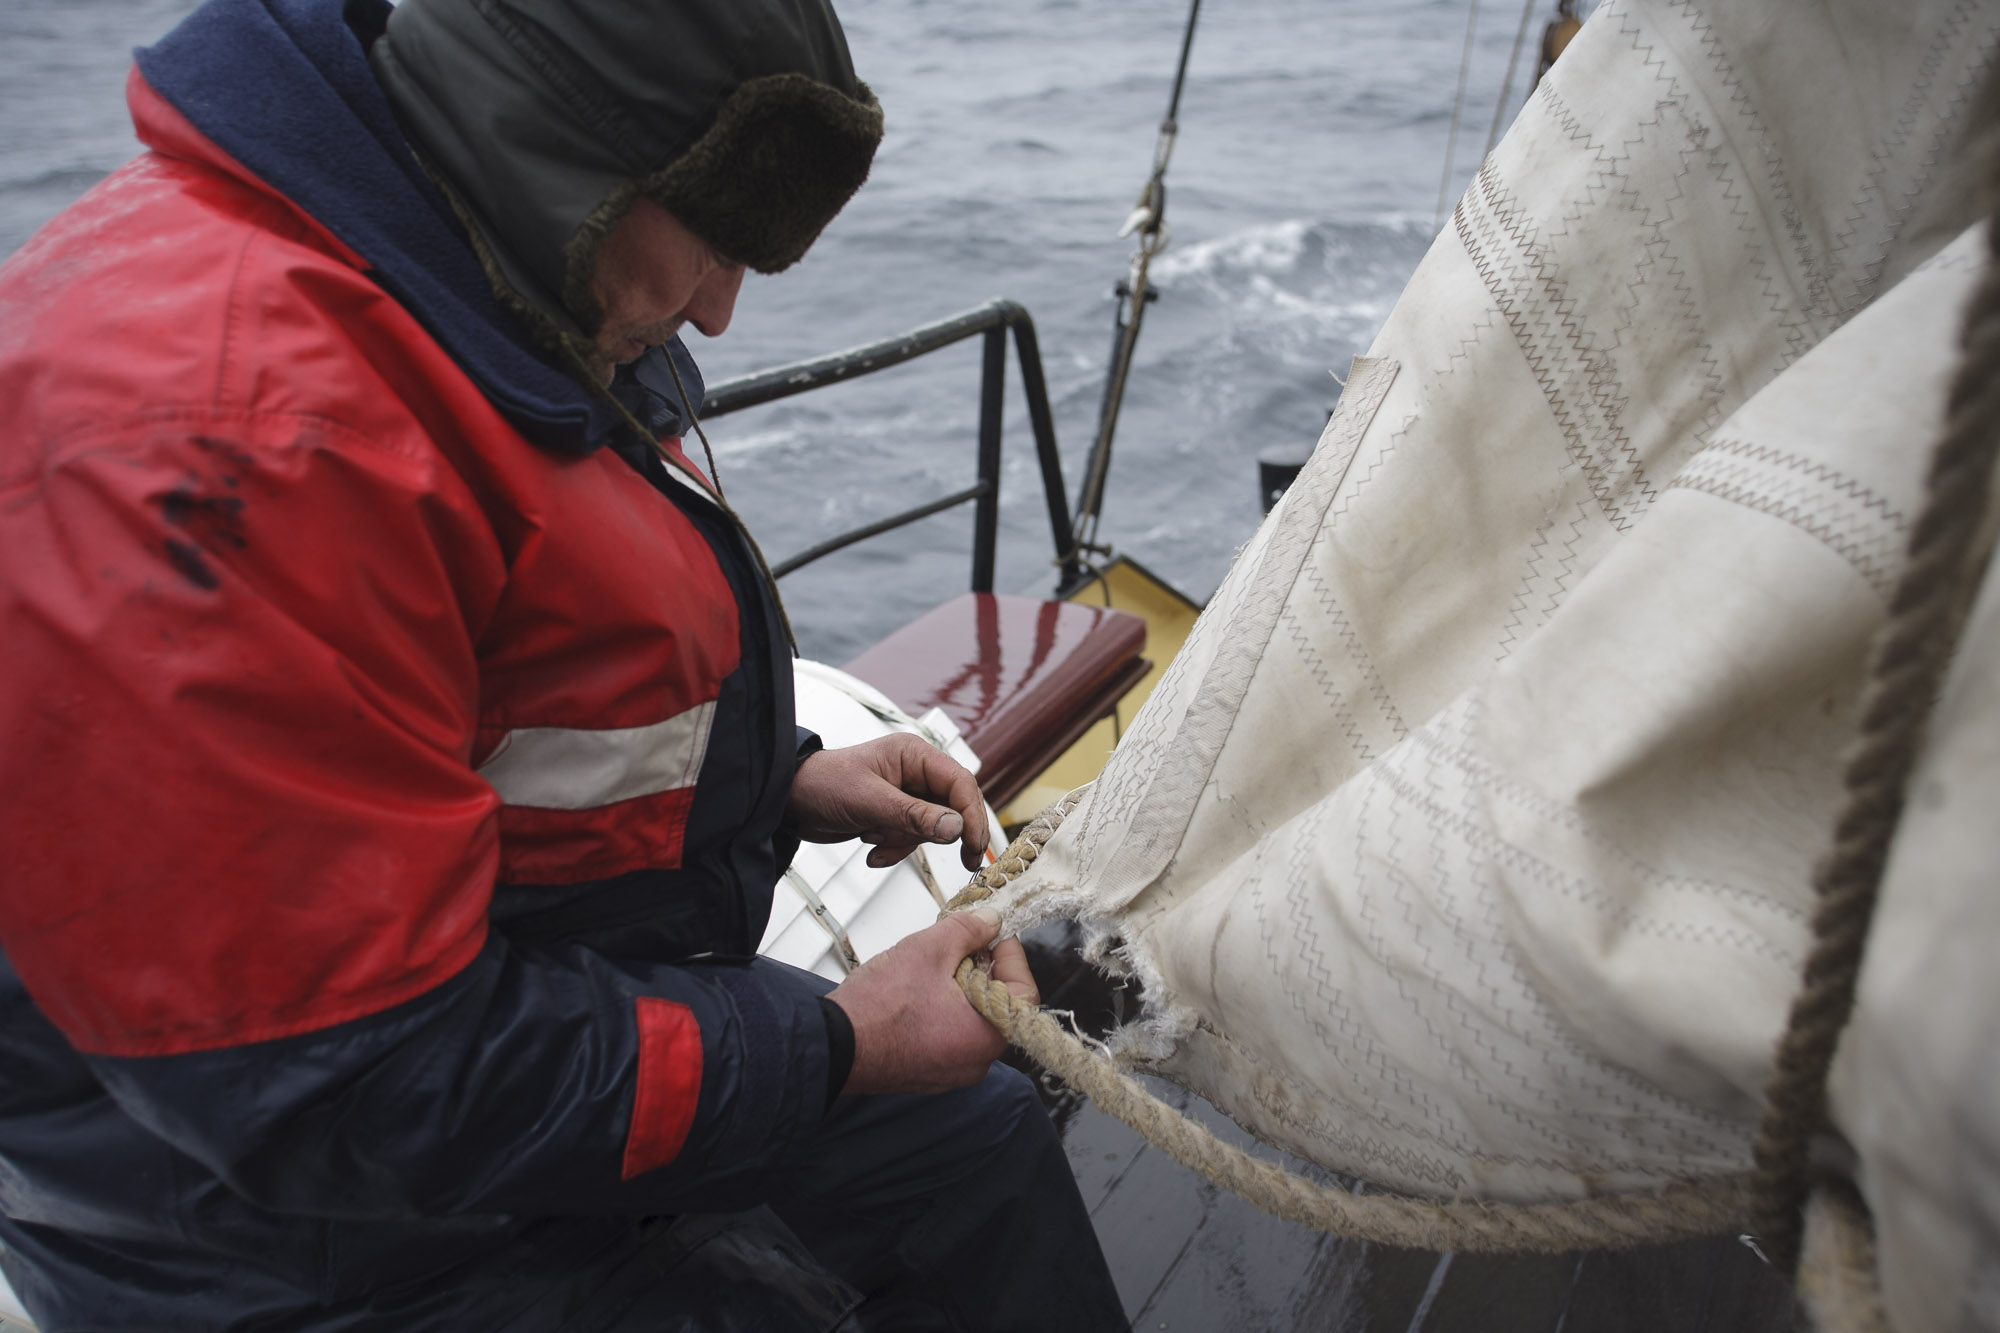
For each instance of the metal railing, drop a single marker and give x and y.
(994, 320)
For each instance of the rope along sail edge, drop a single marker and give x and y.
(1912, 651)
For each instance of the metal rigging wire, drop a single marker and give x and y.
(1457, 113)
(1148, 219)
(1565, 18)
(1507, 84)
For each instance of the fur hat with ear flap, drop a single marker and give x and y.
(544, 120)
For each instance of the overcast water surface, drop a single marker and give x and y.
(1301, 196)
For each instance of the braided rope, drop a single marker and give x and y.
(1020, 854)
(1681, 1210)
(1912, 652)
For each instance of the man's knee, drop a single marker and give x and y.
(1008, 1087)
(1007, 1115)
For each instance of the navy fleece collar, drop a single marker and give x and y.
(283, 86)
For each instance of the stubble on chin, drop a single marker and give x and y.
(612, 350)
(608, 352)
(654, 335)
(600, 366)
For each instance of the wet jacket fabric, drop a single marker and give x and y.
(392, 756)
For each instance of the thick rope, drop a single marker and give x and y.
(1020, 854)
(1912, 652)
(1679, 1211)
(1676, 1212)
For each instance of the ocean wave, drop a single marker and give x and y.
(1271, 248)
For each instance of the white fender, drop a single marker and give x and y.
(832, 909)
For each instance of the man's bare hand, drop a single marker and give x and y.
(892, 793)
(914, 1030)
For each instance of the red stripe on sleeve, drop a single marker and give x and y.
(669, 1085)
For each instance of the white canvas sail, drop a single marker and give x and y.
(1466, 846)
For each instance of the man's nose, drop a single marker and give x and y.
(714, 301)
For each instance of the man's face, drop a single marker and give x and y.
(654, 275)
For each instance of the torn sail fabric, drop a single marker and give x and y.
(1466, 847)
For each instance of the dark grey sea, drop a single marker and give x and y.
(1301, 195)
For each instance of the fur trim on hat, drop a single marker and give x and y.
(783, 156)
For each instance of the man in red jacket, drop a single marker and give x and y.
(396, 736)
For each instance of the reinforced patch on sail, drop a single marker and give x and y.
(1466, 846)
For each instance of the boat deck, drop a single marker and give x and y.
(1189, 1256)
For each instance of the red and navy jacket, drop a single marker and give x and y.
(392, 755)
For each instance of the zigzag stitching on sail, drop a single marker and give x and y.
(1512, 629)
(1614, 914)
(1380, 457)
(1143, 751)
(1615, 1085)
(1729, 1150)
(1124, 780)
(1371, 677)
(1455, 757)
(1629, 1096)
(1611, 168)
(1483, 776)
(1817, 303)
(1211, 713)
(1436, 1127)
(1810, 500)
(1517, 629)
(1528, 315)
(1433, 1127)
(1322, 675)
(1638, 1100)
(1606, 1079)
(1793, 316)
(1452, 1055)
(1888, 157)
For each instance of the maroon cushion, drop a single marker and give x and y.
(1021, 678)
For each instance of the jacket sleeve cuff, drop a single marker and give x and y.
(785, 842)
(782, 1074)
(839, 1047)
